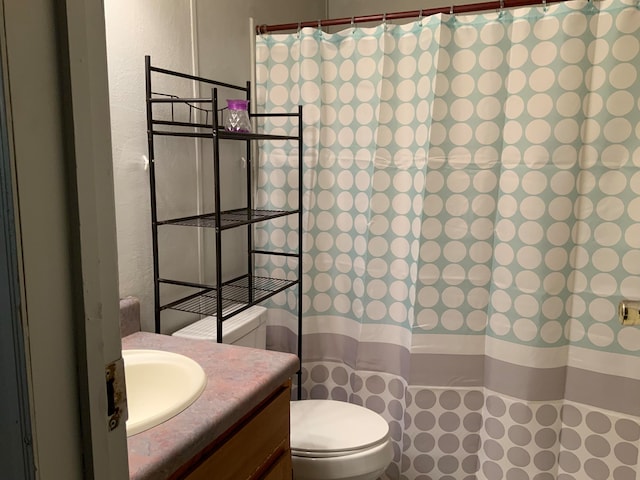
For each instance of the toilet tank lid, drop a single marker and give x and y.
(333, 426)
(232, 329)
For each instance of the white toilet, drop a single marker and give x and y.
(330, 440)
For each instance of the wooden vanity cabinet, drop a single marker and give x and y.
(255, 448)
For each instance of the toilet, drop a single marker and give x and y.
(330, 440)
(333, 440)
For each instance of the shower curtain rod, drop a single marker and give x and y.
(425, 12)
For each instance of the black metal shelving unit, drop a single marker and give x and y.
(227, 297)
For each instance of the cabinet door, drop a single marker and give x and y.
(281, 470)
(257, 445)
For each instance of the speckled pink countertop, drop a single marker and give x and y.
(238, 379)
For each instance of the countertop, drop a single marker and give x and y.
(238, 379)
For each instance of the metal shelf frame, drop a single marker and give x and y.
(227, 298)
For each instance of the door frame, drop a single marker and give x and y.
(16, 456)
(65, 242)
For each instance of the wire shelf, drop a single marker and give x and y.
(235, 296)
(229, 219)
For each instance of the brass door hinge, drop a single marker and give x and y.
(116, 394)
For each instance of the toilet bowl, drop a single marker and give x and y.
(330, 440)
(333, 440)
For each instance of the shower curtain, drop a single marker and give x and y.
(472, 219)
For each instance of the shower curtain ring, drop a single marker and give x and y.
(299, 28)
(501, 9)
(545, 7)
(384, 21)
(353, 23)
(452, 15)
(420, 17)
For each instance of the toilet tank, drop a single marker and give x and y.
(248, 329)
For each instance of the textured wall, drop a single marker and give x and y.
(161, 29)
(351, 8)
(210, 39)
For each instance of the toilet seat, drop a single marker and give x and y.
(372, 450)
(329, 428)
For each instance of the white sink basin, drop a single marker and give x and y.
(159, 386)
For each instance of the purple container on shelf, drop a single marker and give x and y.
(237, 116)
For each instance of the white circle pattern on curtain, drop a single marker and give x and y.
(465, 175)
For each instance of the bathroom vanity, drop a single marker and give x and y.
(237, 429)
(256, 448)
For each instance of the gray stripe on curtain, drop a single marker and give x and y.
(527, 383)
(447, 370)
(610, 392)
(281, 339)
(370, 356)
(533, 384)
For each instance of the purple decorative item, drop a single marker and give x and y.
(237, 118)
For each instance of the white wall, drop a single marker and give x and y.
(350, 8)
(210, 39)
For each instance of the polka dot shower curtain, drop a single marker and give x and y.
(472, 219)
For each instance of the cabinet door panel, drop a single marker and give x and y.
(254, 448)
(281, 470)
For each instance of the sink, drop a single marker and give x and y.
(159, 386)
